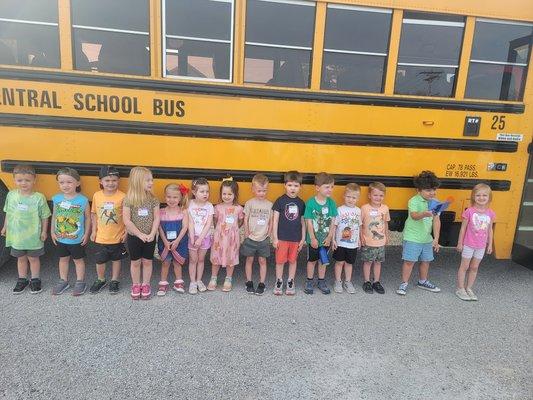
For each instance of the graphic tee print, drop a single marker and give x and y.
(69, 223)
(199, 215)
(374, 219)
(348, 222)
(477, 228)
(108, 210)
(321, 216)
(290, 212)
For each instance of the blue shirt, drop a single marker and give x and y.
(69, 222)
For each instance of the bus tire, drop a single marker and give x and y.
(4, 251)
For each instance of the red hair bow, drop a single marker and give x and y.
(183, 190)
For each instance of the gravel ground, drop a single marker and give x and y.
(237, 346)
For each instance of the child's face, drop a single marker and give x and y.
(427, 194)
(67, 184)
(172, 198)
(325, 190)
(482, 197)
(351, 197)
(148, 183)
(292, 188)
(202, 193)
(260, 191)
(109, 183)
(24, 182)
(227, 195)
(376, 197)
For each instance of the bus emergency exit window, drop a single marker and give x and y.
(472, 126)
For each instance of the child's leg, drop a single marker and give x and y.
(200, 264)
(229, 271)
(279, 271)
(100, 270)
(366, 270)
(63, 267)
(292, 271)
(22, 266)
(424, 270)
(35, 266)
(472, 272)
(407, 268)
(248, 268)
(136, 271)
(147, 270)
(321, 271)
(338, 270)
(461, 272)
(193, 259)
(115, 270)
(348, 269)
(165, 266)
(377, 271)
(262, 269)
(311, 269)
(80, 269)
(178, 271)
(215, 269)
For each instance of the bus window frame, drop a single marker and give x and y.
(164, 49)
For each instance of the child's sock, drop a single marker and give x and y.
(422, 281)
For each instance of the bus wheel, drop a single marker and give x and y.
(4, 252)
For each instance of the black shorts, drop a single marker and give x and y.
(110, 252)
(313, 254)
(139, 249)
(76, 251)
(345, 254)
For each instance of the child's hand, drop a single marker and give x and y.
(301, 245)
(53, 237)
(427, 214)
(93, 236)
(43, 236)
(150, 237)
(275, 243)
(314, 243)
(143, 237)
(489, 249)
(173, 245)
(363, 241)
(459, 247)
(125, 237)
(198, 242)
(85, 240)
(327, 241)
(436, 245)
(333, 245)
(3, 231)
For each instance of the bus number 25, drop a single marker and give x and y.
(498, 122)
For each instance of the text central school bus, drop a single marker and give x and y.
(365, 90)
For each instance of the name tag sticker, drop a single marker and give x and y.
(202, 212)
(65, 205)
(230, 219)
(108, 206)
(325, 210)
(374, 213)
(293, 209)
(172, 235)
(261, 222)
(22, 207)
(143, 212)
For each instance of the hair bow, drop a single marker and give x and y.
(183, 190)
(229, 179)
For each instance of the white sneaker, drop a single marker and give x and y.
(193, 288)
(338, 287)
(471, 294)
(201, 286)
(348, 286)
(462, 294)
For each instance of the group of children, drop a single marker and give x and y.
(183, 230)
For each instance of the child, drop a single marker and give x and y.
(288, 230)
(141, 217)
(108, 229)
(226, 241)
(173, 238)
(71, 221)
(320, 213)
(374, 236)
(418, 244)
(474, 237)
(25, 227)
(201, 221)
(346, 241)
(257, 226)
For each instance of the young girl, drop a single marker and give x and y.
(201, 219)
(141, 217)
(71, 222)
(225, 251)
(475, 237)
(173, 238)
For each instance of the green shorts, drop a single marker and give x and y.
(369, 254)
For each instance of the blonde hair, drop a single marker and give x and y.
(477, 188)
(260, 179)
(352, 187)
(137, 195)
(377, 185)
(184, 197)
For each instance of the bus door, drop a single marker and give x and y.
(523, 242)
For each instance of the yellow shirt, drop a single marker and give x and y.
(109, 223)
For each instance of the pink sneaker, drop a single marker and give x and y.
(162, 288)
(179, 286)
(135, 291)
(145, 291)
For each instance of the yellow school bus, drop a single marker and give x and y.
(366, 90)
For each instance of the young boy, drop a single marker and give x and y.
(320, 213)
(108, 230)
(25, 227)
(288, 230)
(346, 241)
(374, 236)
(418, 244)
(257, 227)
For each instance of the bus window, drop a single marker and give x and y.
(279, 39)
(355, 48)
(111, 36)
(29, 33)
(199, 38)
(499, 60)
(428, 59)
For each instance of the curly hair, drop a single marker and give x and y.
(426, 180)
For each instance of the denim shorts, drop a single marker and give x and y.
(414, 252)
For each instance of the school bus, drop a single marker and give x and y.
(366, 90)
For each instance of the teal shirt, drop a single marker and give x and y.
(418, 231)
(24, 220)
(321, 215)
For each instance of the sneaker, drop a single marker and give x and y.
(193, 288)
(179, 286)
(308, 289)
(162, 288)
(35, 286)
(278, 289)
(260, 289)
(79, 288)
(60, 287)
(462, 294)
(367, 287)
(427, 285)
(471, 294)
(348, 286)
(114, 287)
(21, 284)
(402, 290)
(97, 286)
(250, 287)
(201, 286)
(135, 291)
(146, 291)
(290, 290)
(378, 288)
(228, 284)
(212, 283)
(323, 287)
(337, 288)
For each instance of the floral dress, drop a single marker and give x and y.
(226, 241)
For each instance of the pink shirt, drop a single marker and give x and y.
(477, 228)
